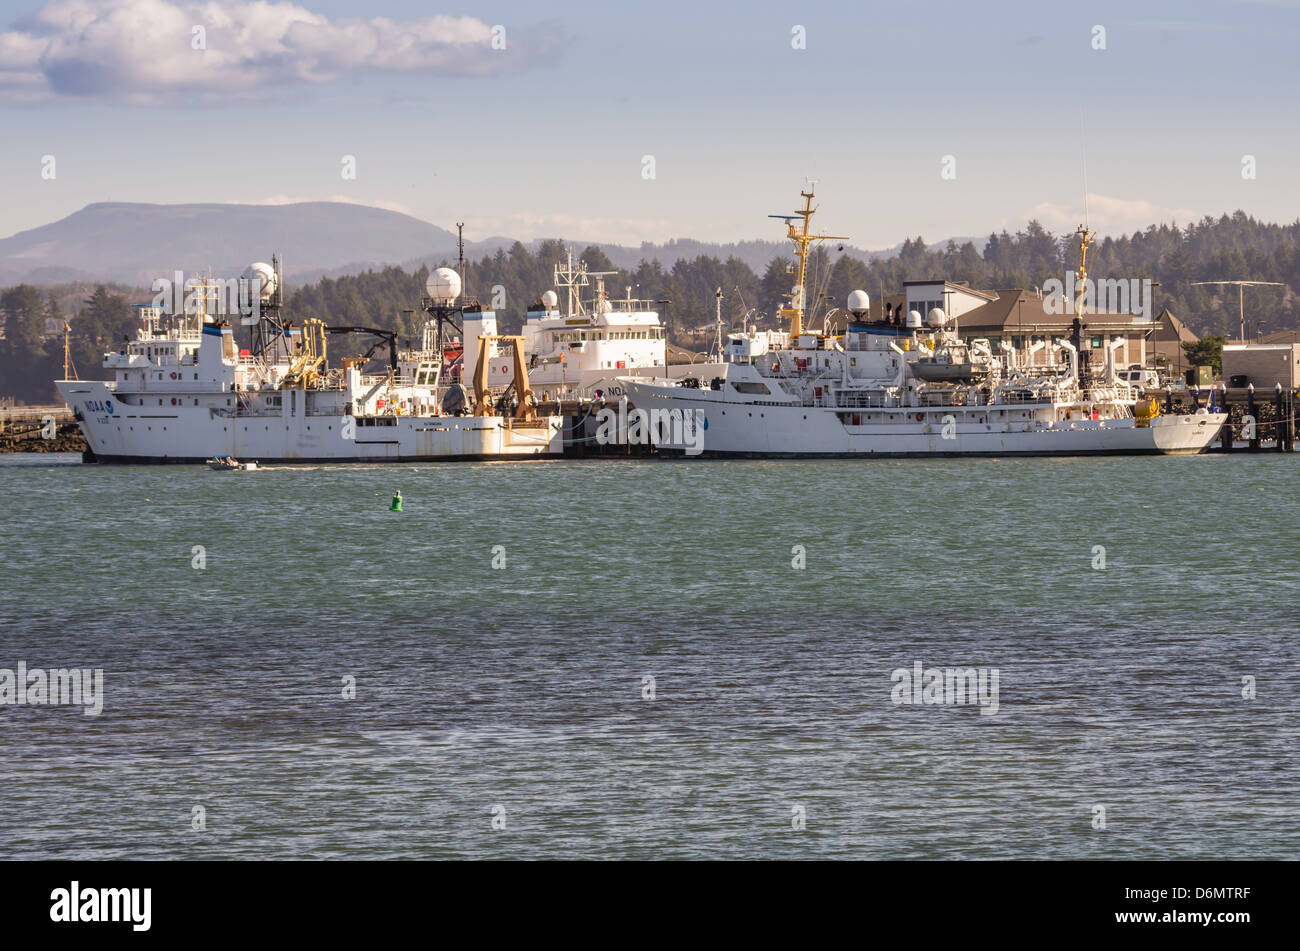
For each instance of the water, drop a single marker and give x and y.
(522, 688)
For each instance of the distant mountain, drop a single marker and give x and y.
(136, 243)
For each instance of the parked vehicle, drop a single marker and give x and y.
(1143, 380)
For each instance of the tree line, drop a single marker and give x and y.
(1236, 247)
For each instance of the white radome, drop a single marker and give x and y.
(443, 284)
(859, 302)
(550, 300)
(937, 317)
(914, 321)
(261, 271)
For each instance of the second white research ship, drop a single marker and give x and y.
(581, 352)
(184, 392)
(883, 390)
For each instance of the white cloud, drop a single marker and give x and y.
(625, 231)
(281, 199)
(141, 50)
(1109, 215)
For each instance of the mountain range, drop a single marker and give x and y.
(134, 243)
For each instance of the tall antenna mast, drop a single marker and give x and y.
(460, 253)
(1083, 153)
(1084, 232)
(802, 239)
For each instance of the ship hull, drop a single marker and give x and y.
(116, 431)
(731, 429)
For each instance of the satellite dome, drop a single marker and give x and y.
(937, 317)
(859, 302)
(914, 321)
(550, 300)
(443, 284)
(263, 272)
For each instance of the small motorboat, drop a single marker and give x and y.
(231, 464)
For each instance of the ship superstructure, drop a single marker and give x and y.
(914, 388)
(184, 391)
(580, 351)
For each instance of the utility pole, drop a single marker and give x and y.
(1241, 305)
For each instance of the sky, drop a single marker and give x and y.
(933, 119)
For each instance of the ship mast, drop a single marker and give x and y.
(802, 240)
(69, 370)
(1085, 242)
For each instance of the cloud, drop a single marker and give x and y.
(142, 51)
(1109, 215)
(623, 231)
(282, 199)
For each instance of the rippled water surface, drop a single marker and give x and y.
(519, 691)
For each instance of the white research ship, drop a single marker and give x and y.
(184, 392)
(582, 351)
(902, 391)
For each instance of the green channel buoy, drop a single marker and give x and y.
(397, 503)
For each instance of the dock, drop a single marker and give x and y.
(25, 429)
(1257, 421)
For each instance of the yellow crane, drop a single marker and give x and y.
(308, 364)
(527, 410)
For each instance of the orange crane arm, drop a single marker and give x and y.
(527, 407)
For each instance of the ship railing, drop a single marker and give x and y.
(863, 399)
(1015, 395)
(948, 398)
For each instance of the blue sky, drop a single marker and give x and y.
(547, 137)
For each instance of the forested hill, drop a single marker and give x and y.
(1233, 247)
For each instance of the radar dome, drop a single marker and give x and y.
(443, 284)
(263, 272)
(550, 300)
(937, 317)
(859, 302)
(914, 319)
